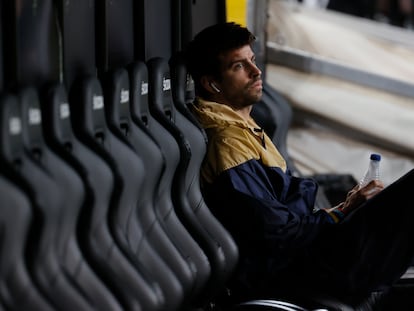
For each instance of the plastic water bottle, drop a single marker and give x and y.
(373, 171)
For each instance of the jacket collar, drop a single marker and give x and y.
(212, 114)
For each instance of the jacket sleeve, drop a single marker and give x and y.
(265, 209)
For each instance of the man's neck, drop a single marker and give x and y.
(244, 112)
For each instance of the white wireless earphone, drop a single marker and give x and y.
(214, 87)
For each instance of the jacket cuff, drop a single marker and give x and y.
(337, 215)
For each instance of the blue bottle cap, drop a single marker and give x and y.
(375, 157)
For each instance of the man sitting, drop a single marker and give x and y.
(362, 245)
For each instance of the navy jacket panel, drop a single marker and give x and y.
(270, 215)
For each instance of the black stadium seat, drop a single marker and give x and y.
(95, 175)
(27, 167)
(18, 216)
(16, 289)
(138, 289)
(176, 274)
(58, 245)
(193, 204)
(165, 210)
(115, 48)
(135, 241)
(154, 162)
(208, 232)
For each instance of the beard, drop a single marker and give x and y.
(244, 97)
(252, 95)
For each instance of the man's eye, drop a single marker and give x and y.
(238, 66)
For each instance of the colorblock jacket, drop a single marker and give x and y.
(269, 212)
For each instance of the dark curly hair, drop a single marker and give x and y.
(202, 53)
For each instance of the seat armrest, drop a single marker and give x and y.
(270, 304)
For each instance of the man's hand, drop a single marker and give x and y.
(359, 195)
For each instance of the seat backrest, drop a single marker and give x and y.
(206, 229)
(136, 287)
(182, 90)
(154, 162)
(15, 220)
(97, 179)
(164, 207)
(60, 234)
(139, 247)
(17, 216)
(41, 257)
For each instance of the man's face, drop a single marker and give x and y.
(241, 83)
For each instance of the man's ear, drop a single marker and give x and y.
(208, 84)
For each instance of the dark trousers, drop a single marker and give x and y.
(371, 249)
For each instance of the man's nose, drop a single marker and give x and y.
(255, 71)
